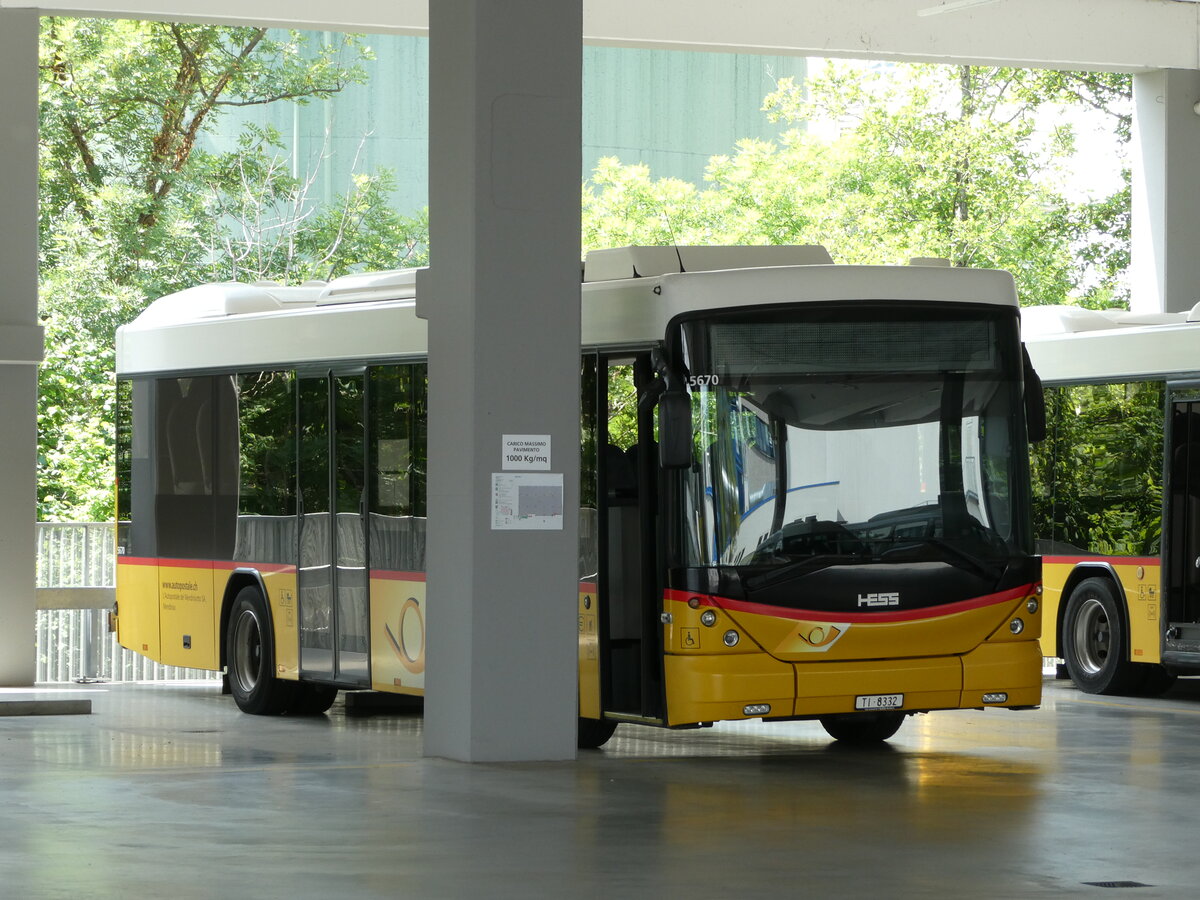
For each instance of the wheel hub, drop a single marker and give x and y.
(1092, 636)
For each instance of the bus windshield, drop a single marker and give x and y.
(890, 434)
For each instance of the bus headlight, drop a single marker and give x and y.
(731, 638)
(708, 617)
(1016, 626)
(1032, 605)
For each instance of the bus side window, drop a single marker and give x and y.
(195, 501)
(264, 452)
(187, 429)
(397, 466)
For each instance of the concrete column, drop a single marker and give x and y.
(502, 301)
(20, 342)
(1165, 266)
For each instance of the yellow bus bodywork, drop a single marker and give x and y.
(820, 667)
(170, 611)
(398, 632)
(589, 652)
(1140, 582)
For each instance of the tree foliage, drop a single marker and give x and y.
(124, 102)
(132, 208)
(943, 161)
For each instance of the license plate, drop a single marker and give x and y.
(879, 701)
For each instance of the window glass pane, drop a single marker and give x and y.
(266, 526)
(852, 439)
(124, 452)
(1097, 478)
(348, 438)
(266, 417)
(184, 415)
(349, 397)
(184, 508)
(396, 458)
(589, 538)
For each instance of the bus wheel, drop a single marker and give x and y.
(250, 654)
(1094, 641)
(863, 728)
(312, 699)
(593, 733)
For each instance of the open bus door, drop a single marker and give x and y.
(630, 550)
(1181, 542)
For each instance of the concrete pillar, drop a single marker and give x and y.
(20, 342)
(502, 301)
(1165, 267)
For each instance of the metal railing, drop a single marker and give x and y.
(76, 578)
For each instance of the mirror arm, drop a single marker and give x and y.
(650, 396)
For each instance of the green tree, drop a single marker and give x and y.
(252, 219)
(132, 208)
(124, 103)
(954, 162)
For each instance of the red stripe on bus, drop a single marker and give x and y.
(185, 564)
(392, 575)
(1111, 560)
(809, 615)
(379, 574)
(218, 565)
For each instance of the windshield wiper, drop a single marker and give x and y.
(795, 570)
(980, 566)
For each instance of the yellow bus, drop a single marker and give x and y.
(1115, 501)
(805, 490)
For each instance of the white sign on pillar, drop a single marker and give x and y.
(527, 496)
(530, 452)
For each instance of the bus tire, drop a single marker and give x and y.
(863, 728)
(312, 699)
(1095, 644)
(250, 657)
(594, 733)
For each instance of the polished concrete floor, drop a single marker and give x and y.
(168, 791)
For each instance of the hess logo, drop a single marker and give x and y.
(891, 598)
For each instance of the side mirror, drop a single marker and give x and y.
(674, 430)
(1035, 403)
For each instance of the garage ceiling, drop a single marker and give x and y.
(1127, 35)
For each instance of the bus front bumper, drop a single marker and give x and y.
(720, 687)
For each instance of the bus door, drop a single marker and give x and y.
(334, 606)
(631, 590)
(1181, 543)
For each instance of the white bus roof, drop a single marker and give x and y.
(1071, 345)
(628, 297)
